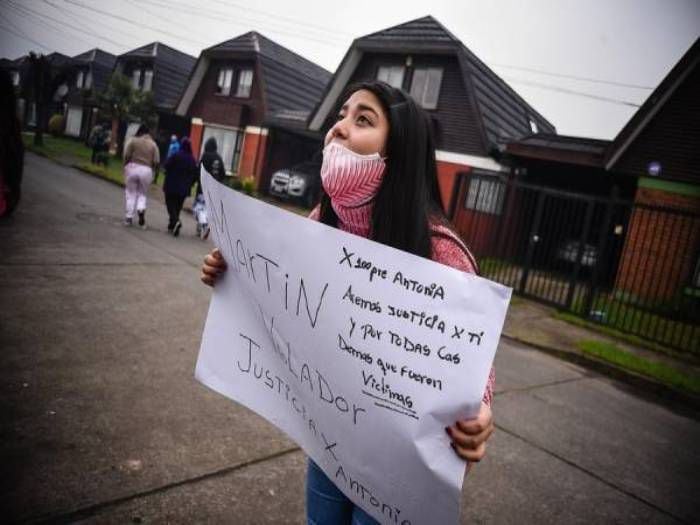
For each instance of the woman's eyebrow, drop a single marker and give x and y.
(364, 107)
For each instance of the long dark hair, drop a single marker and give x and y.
(408, 198)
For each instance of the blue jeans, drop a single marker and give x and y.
(327, 505)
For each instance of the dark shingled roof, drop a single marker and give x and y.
(171, 70)
(679, 73)
(101, 64)
(504, 114)
(560, 148)
(59, 60)
(292, 84)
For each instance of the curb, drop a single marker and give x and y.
(668, 394)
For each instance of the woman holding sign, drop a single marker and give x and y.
(379, 181)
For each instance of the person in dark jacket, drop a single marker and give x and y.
(212, 162)
(180, 174)
(11, 148)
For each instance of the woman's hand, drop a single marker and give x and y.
(469, 435)
(214, 265)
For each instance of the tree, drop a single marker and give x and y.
(122, 103)
(43, 81)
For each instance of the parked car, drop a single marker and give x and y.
(300, 183)
(569, 252)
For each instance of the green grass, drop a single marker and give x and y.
(613, 354)
(75, 153)
(646, 324)
(491, 265)
(621, 336)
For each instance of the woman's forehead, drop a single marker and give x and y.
(363, 97)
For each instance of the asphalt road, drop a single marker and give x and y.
(103, 422)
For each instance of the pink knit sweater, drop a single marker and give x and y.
(448, 249)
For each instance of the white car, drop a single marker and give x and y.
(301, 183)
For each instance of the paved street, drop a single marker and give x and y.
(103, 422)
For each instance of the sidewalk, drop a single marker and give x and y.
(535, 324)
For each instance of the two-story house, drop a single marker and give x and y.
(91, 72)
(164, 71)
(254, 96)
(474, 110)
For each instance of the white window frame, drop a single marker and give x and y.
(425, 86)
(392, 75)
(88, 80)
(136, 78)
(147, 80)
(223, 81)
(486, 193)
(533, 126)
(79, 80)
(15, 78)
(245, 83)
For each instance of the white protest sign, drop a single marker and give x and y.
(361, 353)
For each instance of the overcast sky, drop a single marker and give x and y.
(535, 45)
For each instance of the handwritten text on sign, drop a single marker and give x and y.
(361, 353)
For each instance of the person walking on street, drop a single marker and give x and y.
(180, 174)
(93, 141)
(141, 159)
(212, 162)
(174, 146)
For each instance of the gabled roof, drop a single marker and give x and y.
(171, 69)
(653, 104)
(560, 148)
(504, 114)
(97, 56)
(291, 84)
(59, 60)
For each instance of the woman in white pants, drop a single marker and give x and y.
(141, 158)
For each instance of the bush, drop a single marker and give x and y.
(248, 185)
(234, 182)
(57, 125)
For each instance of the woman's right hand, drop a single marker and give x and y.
(214, 265)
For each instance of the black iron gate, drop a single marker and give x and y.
(626, 265)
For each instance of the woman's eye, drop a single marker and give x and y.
(339, 117)
(363, 119)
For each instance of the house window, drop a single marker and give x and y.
(79, 79)
(392, 75)
(223, 82)
(136, 79)
(425, 86)
(486, 193)
(15, 78)
(147, 80)
(533, 126)
(88, 80)
(245, 81)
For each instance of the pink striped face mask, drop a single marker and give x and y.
(350, 179)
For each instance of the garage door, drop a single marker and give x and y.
(73, 120)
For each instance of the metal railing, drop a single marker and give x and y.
(626, 265)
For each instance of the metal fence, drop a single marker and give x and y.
(626, 265)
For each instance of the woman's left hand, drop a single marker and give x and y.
(469, 435)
